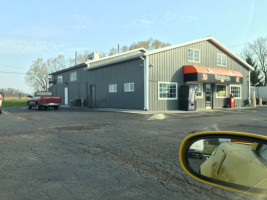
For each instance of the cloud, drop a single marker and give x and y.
(19, 46)
(170, 16)
(188, 17)
(147, 22)
(80, 22)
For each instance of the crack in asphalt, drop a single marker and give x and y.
(159, 174)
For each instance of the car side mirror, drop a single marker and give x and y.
(29, 96)
(229, 160)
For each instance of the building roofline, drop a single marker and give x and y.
(220, 45)
(147, 53)
(209, 38)
(115, 61)
(69, 68)
(117, 55)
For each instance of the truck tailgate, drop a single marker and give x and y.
(50, 99)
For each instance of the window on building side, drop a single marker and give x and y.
(221, 59)
(198, 90)
(236, 91)
(167, 90)
(73, 76)
(112, 88)
(193, 55)
(220, 91)
(128, 87)
(59, 79)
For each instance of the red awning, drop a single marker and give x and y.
(189, 69)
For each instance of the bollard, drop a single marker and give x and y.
(260, 102)
(254, 99)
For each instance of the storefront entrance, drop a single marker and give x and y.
(208, 96)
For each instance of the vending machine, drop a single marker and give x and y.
(187, 100)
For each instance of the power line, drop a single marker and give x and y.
(11, 72)
(2, 65)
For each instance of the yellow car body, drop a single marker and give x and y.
(239, 164)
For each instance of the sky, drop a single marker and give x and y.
(32, 29)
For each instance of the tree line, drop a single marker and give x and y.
(10, 92)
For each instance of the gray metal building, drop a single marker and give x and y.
(152, 80)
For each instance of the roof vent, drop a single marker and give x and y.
(93, 56)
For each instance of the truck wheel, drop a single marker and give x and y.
(56, 107)
(28, 106)
(38, 106)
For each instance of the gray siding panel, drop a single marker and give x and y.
(75, 88)
(127, 72)
(168, 67)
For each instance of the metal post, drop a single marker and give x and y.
(254, 99)
(75, 57)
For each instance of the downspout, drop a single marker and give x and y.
(249, 86)
(146, 78)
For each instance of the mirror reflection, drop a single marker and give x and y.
(231, 160)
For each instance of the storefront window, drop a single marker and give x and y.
(198, 89)
(167, 90)
(236, 91)
(220, 91)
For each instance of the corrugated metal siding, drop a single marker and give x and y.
(168, 67)
(127, 72)
(75, 88)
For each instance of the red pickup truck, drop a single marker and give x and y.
(43, 99)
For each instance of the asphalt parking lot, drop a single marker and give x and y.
(88, 154)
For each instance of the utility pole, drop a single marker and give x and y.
(75, 57)
(118, 48)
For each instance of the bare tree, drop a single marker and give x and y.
(55, 64)
(81, 58)
(113, 51)
(258, 49)
(149, 44)
(37, 75)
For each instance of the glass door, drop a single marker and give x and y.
(208, 96)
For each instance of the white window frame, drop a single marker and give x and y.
(193, 55)
(226, 93)
(127, 87)
(59, 78)
(240, 91)
(73, 76)
(176, 91)
(112, 88)
(201, 84)
(221, 56)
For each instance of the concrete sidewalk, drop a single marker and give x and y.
(167, 111)
(143, 112)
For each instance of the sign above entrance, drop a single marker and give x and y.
(211, 75)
